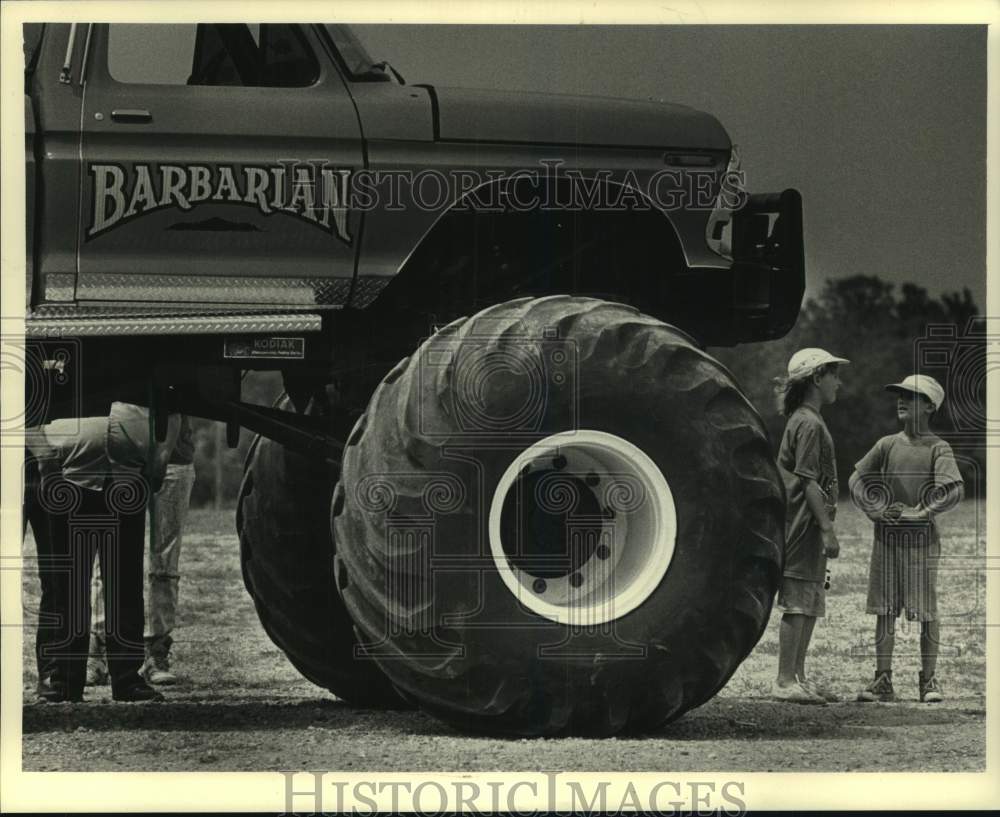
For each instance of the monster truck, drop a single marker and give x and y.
(558, 515)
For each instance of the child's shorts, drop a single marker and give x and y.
(902, 580)
(802, 597)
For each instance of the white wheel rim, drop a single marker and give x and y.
(622, 553)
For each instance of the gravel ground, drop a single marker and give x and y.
(270, 733)
(241, 706)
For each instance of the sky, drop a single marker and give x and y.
(881, 128)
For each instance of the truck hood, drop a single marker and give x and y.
(515, 116)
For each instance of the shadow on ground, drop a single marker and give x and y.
(731, 719)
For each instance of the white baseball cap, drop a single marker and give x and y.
(806, 361)
(921, 384)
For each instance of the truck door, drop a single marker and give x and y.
(216, 161)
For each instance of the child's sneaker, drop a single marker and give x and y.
(930, 692)
(878, 690)
(795, 693)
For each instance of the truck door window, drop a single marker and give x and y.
(271, 55)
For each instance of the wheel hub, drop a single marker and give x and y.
(582, 527)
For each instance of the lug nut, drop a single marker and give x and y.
(576, 580)
(539, 586)
(603, 551)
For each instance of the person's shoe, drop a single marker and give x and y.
(54, 692)
(819, 691)
(97, 672)
(930, 692)
(50, 692)
(878, 690)
(795, 693)
(156, 671)
(137, 692)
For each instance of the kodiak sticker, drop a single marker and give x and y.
(265, 347)
(312, 192)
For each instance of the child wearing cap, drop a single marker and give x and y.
(901, 485)
(808, 468)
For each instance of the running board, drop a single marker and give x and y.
(74, 321)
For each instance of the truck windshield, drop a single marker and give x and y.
(356, 60)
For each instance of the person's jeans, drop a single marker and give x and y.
(165, 553)
(108, 524)
(163, 561)
(36, 514)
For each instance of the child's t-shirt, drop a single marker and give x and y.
(806, 451)
(912, 470)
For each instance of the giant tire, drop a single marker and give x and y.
(418, 570)
(283, 519)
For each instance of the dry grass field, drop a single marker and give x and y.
(241, 706)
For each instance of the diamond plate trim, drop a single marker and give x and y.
(36, 326)
(201, 289)
(59, 286)
(368, 288)
(86, 310)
